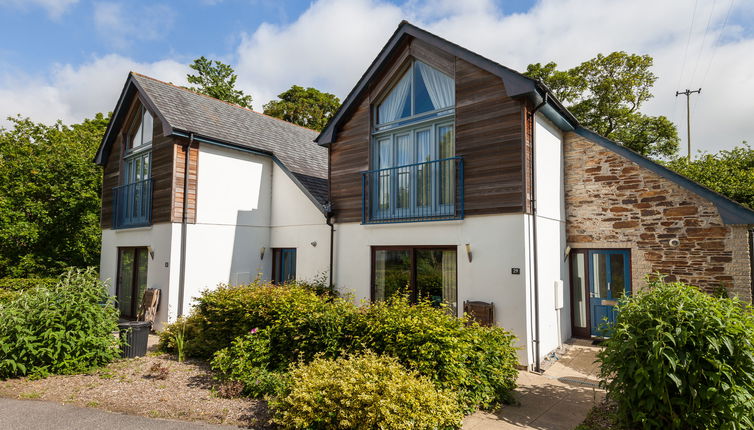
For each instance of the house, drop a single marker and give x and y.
(444, 175)
(466, 181)
(198, 192)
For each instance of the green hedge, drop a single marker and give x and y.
(363, 392)
(227, 312)
(257, 332)
(679, 358)
(63, 329)
(22, 284)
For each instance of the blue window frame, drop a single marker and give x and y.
(283, 265)
(414, 173)
(132, 200)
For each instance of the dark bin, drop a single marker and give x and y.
(134, 335)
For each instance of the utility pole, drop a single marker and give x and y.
(688, 94)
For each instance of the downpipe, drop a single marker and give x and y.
(184, 222)
(536, 340)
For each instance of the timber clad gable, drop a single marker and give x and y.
(489, 136)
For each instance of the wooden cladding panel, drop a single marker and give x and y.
(110, 180)
(179, 169)
(349, 156)
(489, 137)
(162, 176)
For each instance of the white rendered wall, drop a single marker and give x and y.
(298, 223)
(158, 238)
(497, 245)
(232, 221)
(554, 327)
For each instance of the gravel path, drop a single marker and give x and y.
(154, 387)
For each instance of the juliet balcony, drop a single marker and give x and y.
(132, 205)
(426, 191)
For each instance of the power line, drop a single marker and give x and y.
(688, 41)
(704, 37)
(716, 44)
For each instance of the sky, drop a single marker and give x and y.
(68, 59)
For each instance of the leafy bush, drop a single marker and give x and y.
(679, 358)
(248, 361)
(227, 312)
(364, 392)
(22, 284)
(478, 363)
(292, 324)
(63, 329)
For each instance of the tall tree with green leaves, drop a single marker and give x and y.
(606, 93)
(307, 107)
(729, 172)
(217, 79)
(49, 196)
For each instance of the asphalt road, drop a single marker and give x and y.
(38, 415)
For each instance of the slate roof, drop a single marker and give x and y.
(183, 111)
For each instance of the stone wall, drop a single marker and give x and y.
(612, 202)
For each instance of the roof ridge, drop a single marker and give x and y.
(222, 101)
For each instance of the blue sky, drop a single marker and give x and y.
(67, 59)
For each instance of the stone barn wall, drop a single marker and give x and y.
(612, 202)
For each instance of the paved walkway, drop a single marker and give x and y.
(35, 415)
(557, 400)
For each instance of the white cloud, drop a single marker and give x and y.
(334, 41)
(54, 8)
(121, 25)
(73, 93)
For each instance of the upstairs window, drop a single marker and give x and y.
(140, 133)
(422, 93)
(137, 161)
(414, 166)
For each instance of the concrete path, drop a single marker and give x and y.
(559, 399)
(36, 415)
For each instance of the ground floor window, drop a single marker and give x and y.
(283, 265)
(132, 279)
(420, 272)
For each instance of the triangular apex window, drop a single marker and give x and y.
(422, 89)
(140, 132)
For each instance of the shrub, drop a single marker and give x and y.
(679, 358)
(292, 324)
(248, 361)
(478, 363)
(227, 312)
(63, 329)
(364, 392)
(22, 284)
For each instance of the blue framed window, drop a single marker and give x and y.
(283, 265)
(414, 169)
(133, 199)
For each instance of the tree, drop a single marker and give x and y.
(49, 196)
(605, 95)
(217, 79)
(729, 172)
(306, 107)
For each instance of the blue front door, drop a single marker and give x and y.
(609, 280)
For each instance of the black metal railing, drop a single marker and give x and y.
(132, 205)
(427, 191)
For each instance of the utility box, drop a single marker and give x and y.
(481, 312)
(559, 294)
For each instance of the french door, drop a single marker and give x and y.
(132, 279)
(599, 278)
